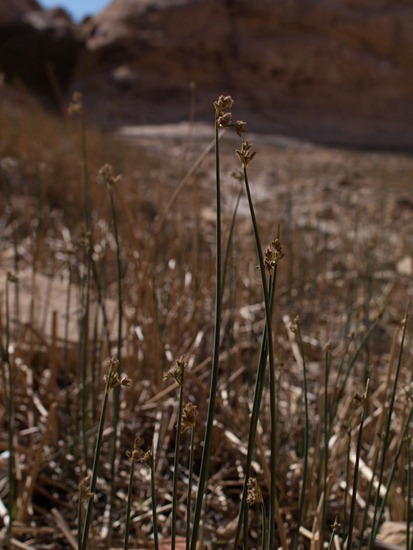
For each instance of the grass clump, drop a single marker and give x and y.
(278, 454)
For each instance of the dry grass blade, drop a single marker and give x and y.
(63, 526)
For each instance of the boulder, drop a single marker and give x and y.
(39, 48)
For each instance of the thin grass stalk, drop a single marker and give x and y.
(116, 392)
(376, 518)
(409, 491)
(346, 492)
(362, 400)
(326, 439)
(268, 317)
(129, 505)
(264, 527)
(206, 451)
(154, 513)
(229, 240)
(84, 355)
(256, 405)
(10, 413)
(189, 493)
(335, 526)
(101, 302)
(66, 342)
(98, 446)
(80, 514)
(392, 472)
(93, 362)
(349, 339)
(76, 108)
(306, 436)
(175, 498)
(350, 367)
(369, 493)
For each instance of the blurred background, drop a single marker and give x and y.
(328, 71)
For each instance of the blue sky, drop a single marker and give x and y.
(77, 8)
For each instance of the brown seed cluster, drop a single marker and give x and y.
(188, 419)
(245, 154)
(273, 254)
(177, 372)
(108, 177)
(223, 117)
(76, 105)
(113, 378)
(254, 494)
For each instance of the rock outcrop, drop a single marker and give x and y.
(38, 48)
(334, 71)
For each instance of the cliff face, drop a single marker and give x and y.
(338, 71)
(333, 70)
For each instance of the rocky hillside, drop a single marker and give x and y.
(338, 71)
(39, 49)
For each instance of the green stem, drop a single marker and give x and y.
(273, 411)
(256, 405)
(326, 441)
(175, 498)
(306, 439)
(154, 514)
(409, 492)
(264, 527)
(356, 469)
(11, 417)
(376, 518)
(116, 392)
(229, 241)
(89, 509)
(189, 494)
(129, 506)
(206, 451)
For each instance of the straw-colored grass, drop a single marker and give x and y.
(345, 221)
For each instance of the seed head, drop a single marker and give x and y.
(223, 119)
(177, 372)
(76, 105)
(107, 176)
(136, 453)
(295, 325)
(113, 378)
(245, 154)
(188, 418)
(147, 459)
(359, 400)
(336, 525)
(12, 277)
(254, 494)
(240, 127)
(85, 494)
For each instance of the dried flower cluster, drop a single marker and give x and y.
(76, 105)
(254, 494)
(12, 277)
(295, 325)
(137, 454)
(245, 154)
(113, 378)
(177, 372)
(223, 118)
(108, 177)
(84, 491)
(273, 254)
(188, 419)
(359, 399)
